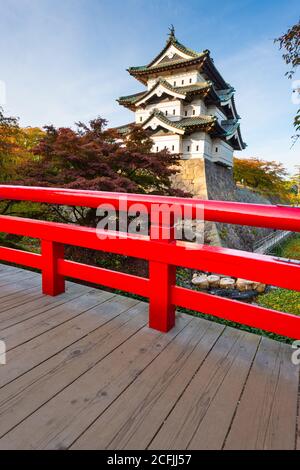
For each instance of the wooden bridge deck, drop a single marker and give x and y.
(85, 372)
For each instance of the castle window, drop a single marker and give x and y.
(166, 113)
(174, 83)
(141, 118)
(193, 112)
(216, 149)
(182, 82)
(185, 113)
(173, 148)
(188, 148)
(190, 80)
(197, 148)
(174, 112)
(157, 149)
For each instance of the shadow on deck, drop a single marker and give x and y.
(85, 372)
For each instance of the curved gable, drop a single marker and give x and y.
(158, 90)
(173, 52)
(156, 120)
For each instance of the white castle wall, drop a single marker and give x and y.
(222, 152)
(215, 111)
(195, 108)
(180, 79)
(170, 141)
(173, 109)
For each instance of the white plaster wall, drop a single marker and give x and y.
(224, 154)
(167, 141)
(199, 144)
(187, 78)
(197, 106)
(141, 115)
(172, 106)
(215, 111)
(164, 106)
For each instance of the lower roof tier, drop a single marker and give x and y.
(203, 89)
(228, 130)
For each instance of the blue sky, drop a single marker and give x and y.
(65, 61)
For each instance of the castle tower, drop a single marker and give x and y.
(189, 109)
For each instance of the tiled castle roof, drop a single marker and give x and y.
(195, 88)
(208, 123)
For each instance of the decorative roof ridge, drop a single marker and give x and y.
(127, 97)
(172, 40)
(146, 68)
(204, 117)
(183, 90)
(197, 85)
(160, 81)
(208, 118)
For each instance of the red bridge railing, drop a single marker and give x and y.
(162, 254)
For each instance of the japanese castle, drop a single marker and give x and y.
(188, 108)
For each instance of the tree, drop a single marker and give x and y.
(267, 178)
(16, 144)
(293, 187)
(290, 44)
(93, 157)
(9, 129)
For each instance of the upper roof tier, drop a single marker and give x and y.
(204, 89)
(175, 57)
(228, 130)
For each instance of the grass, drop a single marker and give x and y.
(290, 248)
(281, 299)
(284, 300)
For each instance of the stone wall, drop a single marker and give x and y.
(192, 177)
(221, 186)
(207, 180)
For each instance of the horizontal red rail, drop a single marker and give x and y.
(258, 317)
(24, 258)
(260, 268)
(258, 215)
(162, 255)
(106, 277)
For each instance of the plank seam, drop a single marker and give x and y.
(87, 370)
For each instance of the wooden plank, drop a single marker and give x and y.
(266, 415)
(60, 421)
(213, 427)
(182, 423)
(10, 270)
(116, 322)
(20, 297)
(50, 317)
(17, 288)
(22, 313)
(32, 353)
(6, 278)
(134, 418)
(26, 290)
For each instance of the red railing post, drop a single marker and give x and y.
(52, 282)
(162, 276)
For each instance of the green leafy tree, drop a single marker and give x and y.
(289, 43)
(267, 178)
